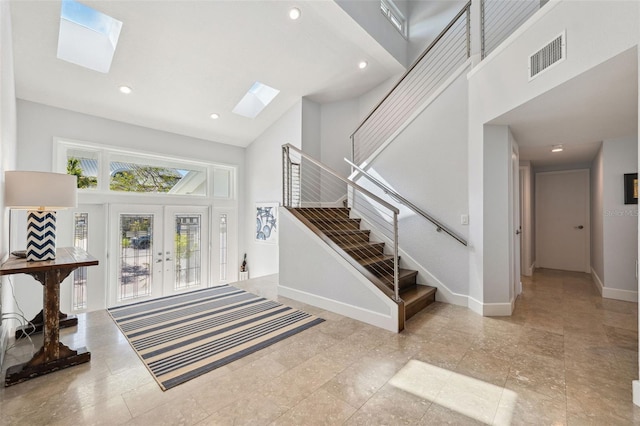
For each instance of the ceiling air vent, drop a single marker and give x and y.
(549, 55)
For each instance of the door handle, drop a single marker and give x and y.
(579, 227)
(518, 232)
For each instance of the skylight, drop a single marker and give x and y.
(255, 100)
(87, 37)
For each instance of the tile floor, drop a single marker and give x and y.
(566, 356)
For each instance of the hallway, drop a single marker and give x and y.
(566, 356)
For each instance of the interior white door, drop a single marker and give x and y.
(516, 260)
(562, 220)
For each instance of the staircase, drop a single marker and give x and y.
(343, 233)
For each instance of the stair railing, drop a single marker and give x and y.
(440, 227)
(321, 192)
(499, 19)
(450, 49)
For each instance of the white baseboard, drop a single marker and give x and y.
(613, 293)
(635, 386)
(491, 309)
(374, 318)
(625, 295)
(597, 281)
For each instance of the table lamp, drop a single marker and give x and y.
(41, 194)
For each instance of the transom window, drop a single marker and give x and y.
(104, 169)
(390, 10)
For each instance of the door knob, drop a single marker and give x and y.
(517, 232)
(579, 227)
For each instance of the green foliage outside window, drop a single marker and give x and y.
(75, 169)
(144, 179)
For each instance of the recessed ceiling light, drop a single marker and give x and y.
(363, 64)
(125, 89)
(215, 116)
(557, 148)
(294, 13)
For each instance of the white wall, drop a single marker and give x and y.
(497, 160)
(8, 141)
(597, 32)
(263, 162)
(311, 128)
(620, 223)
(339, 119)
(597, 217)
(426, 164)
(39, 124)
(426, 20)
(367, 14)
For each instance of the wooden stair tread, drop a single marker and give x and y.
(415, 293)
(369, 261)
(361, 246)
(347, 238)
(345, 231)
(417, 298)
(406, 279)
(333, 219)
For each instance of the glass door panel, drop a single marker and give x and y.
(224, 255)
(135, 251)
(186, 248)
(136, 254)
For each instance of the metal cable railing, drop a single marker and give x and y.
(437, 63)
(440, 227)
(499, 19)
(328, 201)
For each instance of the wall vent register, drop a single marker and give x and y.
(551, 54)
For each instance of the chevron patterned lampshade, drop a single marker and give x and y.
(40, 193)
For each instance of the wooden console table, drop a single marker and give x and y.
(53, 355)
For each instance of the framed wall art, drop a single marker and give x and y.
(631, 188)
(266, 223)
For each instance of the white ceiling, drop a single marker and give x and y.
(188, 59)
(599, 104)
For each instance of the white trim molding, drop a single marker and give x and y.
(635, 385)
(365, 315)
(491, 309)
(613, 293)
(625, 295)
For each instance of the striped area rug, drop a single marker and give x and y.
(183, 336)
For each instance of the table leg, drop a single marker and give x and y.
(53, 355)
(37, 324)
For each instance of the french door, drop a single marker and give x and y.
(156, 251)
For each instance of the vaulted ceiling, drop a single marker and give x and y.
(185, 60)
